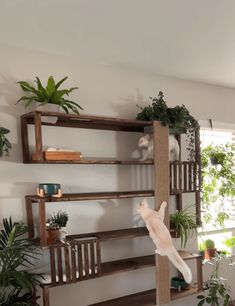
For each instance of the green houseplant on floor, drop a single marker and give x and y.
(17, 253)
(49, 94)
(5, 144)
(218, 293)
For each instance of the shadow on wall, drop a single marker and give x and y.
(10, 92)
(128, 109)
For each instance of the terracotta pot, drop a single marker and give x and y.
(52, 236)
(210, 253)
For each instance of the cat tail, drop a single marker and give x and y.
(178, 262)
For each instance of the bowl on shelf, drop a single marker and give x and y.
(49, 189)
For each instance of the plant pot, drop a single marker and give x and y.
(179, 284)
(52, 236)
(210, 253)
(63, 233)
(49, 107)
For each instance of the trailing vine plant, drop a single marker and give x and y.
(218, 184)
(177, 118)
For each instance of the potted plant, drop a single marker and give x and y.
(61, 218)
(184, 224)
(218, 182)
(210, 250)
(49, 95)
(17, 255)
(218, 290)
(53, 233)
(177, 118)
(5, 144)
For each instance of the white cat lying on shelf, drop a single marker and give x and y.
(146, 141)
(162, 237)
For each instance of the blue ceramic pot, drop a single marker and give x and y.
(49, 188)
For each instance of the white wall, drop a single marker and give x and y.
(105, 88)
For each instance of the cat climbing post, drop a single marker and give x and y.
(161, 186)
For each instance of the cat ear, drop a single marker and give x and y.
(147, 136)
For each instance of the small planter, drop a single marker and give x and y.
(52, 235)
(49, 107)
(179, 284)
(209, 253)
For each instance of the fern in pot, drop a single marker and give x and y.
(61, 219)
(49, 97)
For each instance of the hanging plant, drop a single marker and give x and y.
(177, 118)
(5, 144)
(218, 185)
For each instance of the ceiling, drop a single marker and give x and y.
(189, 39)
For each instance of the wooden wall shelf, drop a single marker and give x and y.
(88, 196)
(174, 178)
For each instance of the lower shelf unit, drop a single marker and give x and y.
(80, 259)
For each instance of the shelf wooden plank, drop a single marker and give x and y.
(144, 298)
(93, 161)
(93, 196)
(185, 255)
(115, 234)
(127, 264)
(91, 122)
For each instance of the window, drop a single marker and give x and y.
(218, 136)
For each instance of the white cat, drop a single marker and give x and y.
(161, 236)
(146, 141)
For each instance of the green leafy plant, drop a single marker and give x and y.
(184, 223)
(17, 282)
(5, 144)
(218, 290)
(209, 244)
(178, 118)
(218, 185)
(49, 94)
(61, 218)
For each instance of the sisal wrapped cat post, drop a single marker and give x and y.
(161, 237)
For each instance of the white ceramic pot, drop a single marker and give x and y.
(48, 108)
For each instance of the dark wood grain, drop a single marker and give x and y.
(91, 122)
(25, 140)
(38, 135)
(93, 196)
(52, 264)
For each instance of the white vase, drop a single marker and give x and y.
(49, 107)
(63, 233)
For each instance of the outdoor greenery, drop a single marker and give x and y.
(218, 184)
(16, 255)
(61, 218)
(49, 94)
(184, 222)
(218, 290)
(5, 144)
(177, 118)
